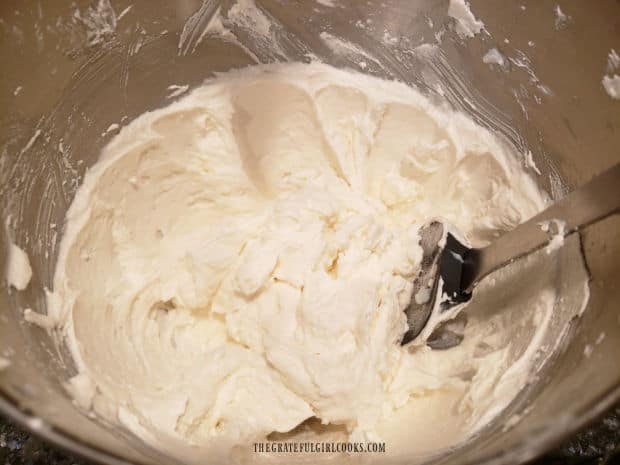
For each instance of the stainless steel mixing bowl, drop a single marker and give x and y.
(72, 69)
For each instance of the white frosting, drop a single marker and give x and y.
(561, 18)
(466, 23)
(530, 163)
(612, 86)
(494, 56)
(613, 61)
(39, 319)
(19, 271)
(559, 233)
(328, 3)
(177, 90)
(611, 82)
(239, 261)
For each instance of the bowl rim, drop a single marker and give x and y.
(532, 447)
(57, 436)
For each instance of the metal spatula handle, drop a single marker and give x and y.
(592, 202)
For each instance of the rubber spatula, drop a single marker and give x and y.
(451, 270)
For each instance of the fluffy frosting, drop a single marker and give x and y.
(18, 271)
(239, 261)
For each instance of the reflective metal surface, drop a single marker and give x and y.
(69, 72)
(596, 201)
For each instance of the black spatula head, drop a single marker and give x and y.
(444, 264)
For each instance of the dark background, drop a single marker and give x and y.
(597, 445)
